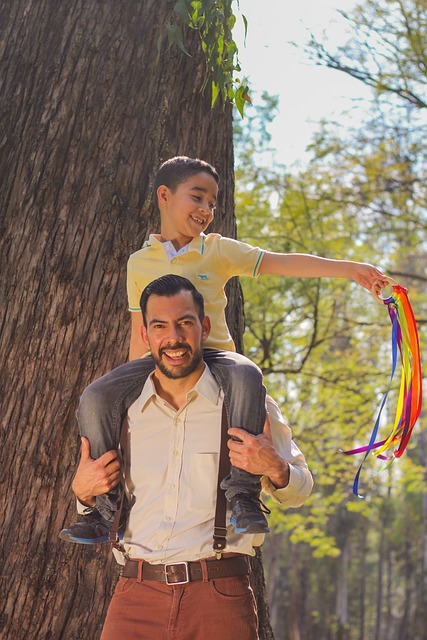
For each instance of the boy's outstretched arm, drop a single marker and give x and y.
(301, 265)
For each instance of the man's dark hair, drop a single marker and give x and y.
(168, 286)
(179, 169)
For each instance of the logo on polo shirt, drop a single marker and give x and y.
(202, 276)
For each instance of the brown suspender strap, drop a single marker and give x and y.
(114, 533)
(220, 527)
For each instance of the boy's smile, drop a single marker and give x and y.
(187, 211)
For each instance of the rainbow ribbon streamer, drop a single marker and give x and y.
(404, 337)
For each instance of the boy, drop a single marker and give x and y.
(186, 191)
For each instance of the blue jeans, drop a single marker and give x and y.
(104, 403)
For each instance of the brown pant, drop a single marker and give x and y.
(220, 609)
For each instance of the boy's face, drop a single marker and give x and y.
(189, 210)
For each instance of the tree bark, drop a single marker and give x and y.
(295, 596)
(341, 606)
(380, 585)
(363, 549)
(423, 599)
(89, 111)
(275, 570)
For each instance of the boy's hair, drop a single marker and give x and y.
(179, 169)
(168, 286)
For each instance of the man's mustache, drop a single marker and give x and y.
(177, 347)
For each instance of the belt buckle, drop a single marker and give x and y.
(174, 564)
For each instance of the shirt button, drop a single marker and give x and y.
(168, 519)
(176, 453)
(171, 486)
(159, 546)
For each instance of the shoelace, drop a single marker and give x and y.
(250, 500)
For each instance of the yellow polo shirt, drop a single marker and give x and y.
(211, 260)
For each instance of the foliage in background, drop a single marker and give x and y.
(317, 341)
(214, 21)
(387, 50)
(351, 568)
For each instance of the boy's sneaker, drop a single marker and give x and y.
(247, 514)
(91, 528)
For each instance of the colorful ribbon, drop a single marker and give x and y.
(404, 339)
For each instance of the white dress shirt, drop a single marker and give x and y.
(173, 470)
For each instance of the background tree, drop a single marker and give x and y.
(90, 104)
(324, 346)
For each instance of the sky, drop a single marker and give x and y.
(307, 92)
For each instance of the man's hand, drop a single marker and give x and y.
(257, 455)
(95, 477)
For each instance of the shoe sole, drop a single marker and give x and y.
(68, 537)
(250, 529)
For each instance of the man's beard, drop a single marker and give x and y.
(182, 371)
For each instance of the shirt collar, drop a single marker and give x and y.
(196, 244)
(205, 386)
(171, 252)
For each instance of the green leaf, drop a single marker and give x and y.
(214, 20)
(183, 8)
(245, 22)
(174, 34)
(215, 93)
(241, 97)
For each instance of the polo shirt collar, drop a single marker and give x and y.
(196, 244)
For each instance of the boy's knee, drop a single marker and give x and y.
(248, 371)
(245, 385)
(238, 371)
(92, 400)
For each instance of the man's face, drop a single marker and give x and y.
(174, 334)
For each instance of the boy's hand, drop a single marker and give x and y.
(368, 276)
(95, 477)
(257, 455)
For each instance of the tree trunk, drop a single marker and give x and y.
(295, 596)
(341, 606)
(388, 627)
(275, 570)
(380, 585)
(423, 599)
(405, 623)
(363, 549)
(259, 587)
(89, 110)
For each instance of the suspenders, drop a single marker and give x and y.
(114, 533)
(220, 527)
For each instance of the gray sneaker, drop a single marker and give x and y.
(91, 528)
(247, 514)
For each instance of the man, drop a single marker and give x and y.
(173, 585)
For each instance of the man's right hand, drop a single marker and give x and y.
(95, 477)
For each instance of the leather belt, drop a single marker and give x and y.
(183, 572)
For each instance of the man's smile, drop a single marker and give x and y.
(175, 353)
